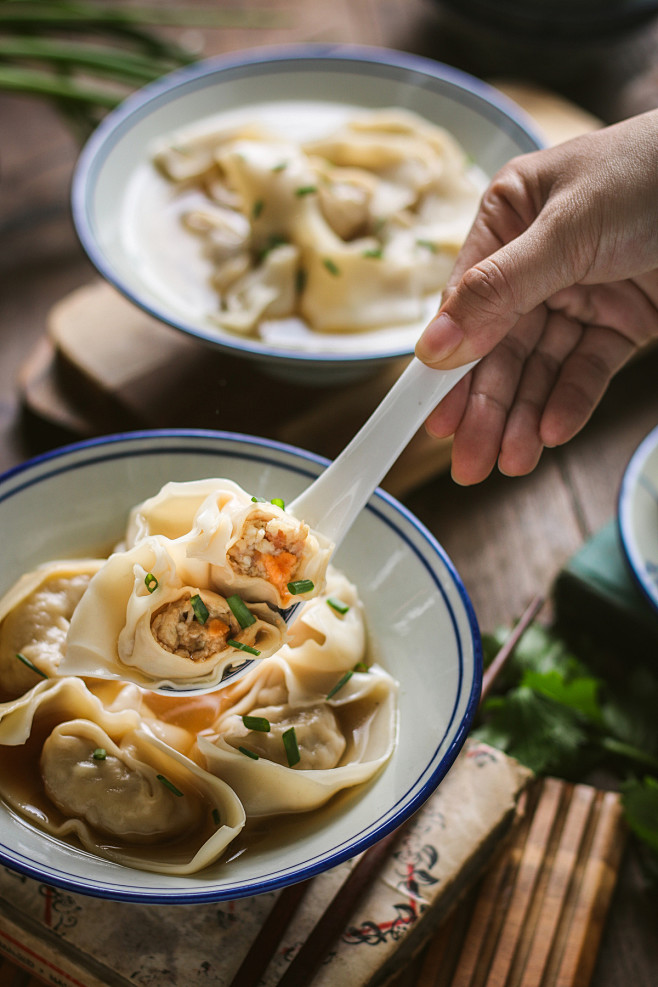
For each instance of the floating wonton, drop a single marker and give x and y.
(34, 620)
(255, 549)
(82, 772)
(348, 233)
(341, 723)
(150, 615)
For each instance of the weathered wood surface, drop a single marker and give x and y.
(508, 537)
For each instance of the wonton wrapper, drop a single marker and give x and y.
(118, 808)
(357, 727)
(215, 521)
(111, 633)
(35, 614)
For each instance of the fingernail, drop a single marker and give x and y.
(441, 337)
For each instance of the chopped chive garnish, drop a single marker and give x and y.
(298, 586)
(151, 582)
(427, 244)
(99, 754)
(339, 685)
(170, 785)
(306, 190)
(26, 661)
(331, 267)
(337, 604)
(289, 738)
(201, 611)
(243, 647)
(361, 667)
(259, 500)
(281, 166)
(257, 208)
(278, 503)
(240, 611)
(251, 754)
(375, 252)
(259, 723)
(216, 817)
(272, 243)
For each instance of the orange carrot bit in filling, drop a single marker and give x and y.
(279, 570)
(217, 627)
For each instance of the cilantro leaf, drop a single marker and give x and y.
(640, 800)
(533, 728)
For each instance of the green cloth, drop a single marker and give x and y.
(596, 595)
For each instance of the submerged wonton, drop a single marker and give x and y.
(298, 730)
(34, 620)
(81, 771)
(143, 618)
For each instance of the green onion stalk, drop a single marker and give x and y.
(85, 56)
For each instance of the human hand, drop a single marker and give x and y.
(554, 289)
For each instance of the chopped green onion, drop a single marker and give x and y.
(339, 685)
(26, 661)
(257, 208)
(259, 723)
(289, 738)
(298, 586)
(216, 817)
(278, 503)
(331, 267)
(274, 241)
(251, 754)
(281, 166)
(337, 604)
(300, 280)
(376, 253)
(427, 244)
(170, 785)
(259, 500)
(151, 582)
(240, 611)
(201, 611)
(306, 190)
(361, 667)
(99, 754)
(243, 647)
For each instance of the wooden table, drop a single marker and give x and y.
(508, 537)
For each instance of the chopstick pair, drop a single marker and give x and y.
(311, 955)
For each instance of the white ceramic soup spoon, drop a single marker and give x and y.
(333, 501)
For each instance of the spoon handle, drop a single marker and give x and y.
(332, 502)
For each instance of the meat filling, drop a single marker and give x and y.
(270, 548)
(178, 630)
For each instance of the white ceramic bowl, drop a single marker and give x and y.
(638, 515)
(421, 621)
(113, 206)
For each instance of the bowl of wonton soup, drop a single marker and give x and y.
(299, 206)
(400, 621)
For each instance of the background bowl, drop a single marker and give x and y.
(420, 620)
(638, 516)
(113, 207)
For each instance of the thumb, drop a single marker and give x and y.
(493, 294)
